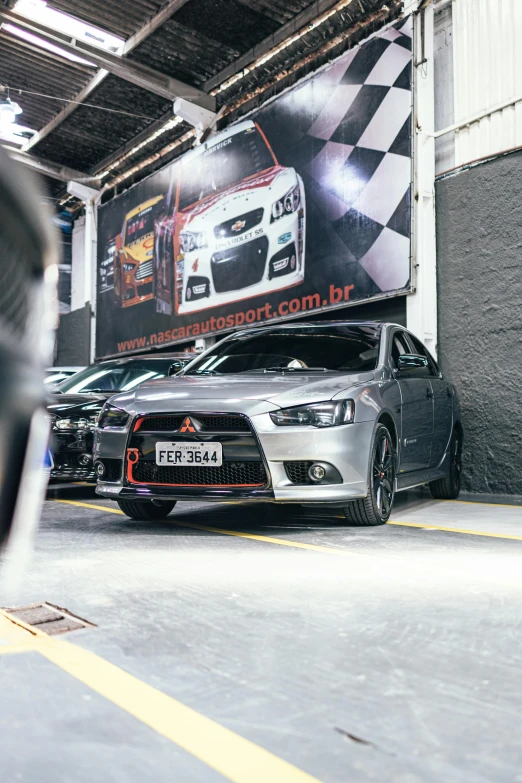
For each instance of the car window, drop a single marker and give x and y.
(219, 165)
(421, 350)
(350, 348)
(114, 376)
(399, 347)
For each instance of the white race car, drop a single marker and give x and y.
(241, 221)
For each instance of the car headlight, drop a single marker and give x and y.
(75, 424)
(192, 240)
(319, 414)
(286, 205)
(128, 267)
(112, 417)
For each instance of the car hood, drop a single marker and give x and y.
(249, 394)
(81, 405)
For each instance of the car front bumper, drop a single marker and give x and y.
(346, 448)
(72, 456)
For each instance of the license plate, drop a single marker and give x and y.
(208, 455)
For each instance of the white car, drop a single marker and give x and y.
(241, 221)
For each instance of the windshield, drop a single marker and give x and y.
(222, 165)
(141, 224)
(343, 348)
(115, 376)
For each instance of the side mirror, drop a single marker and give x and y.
(409, 361)
(174, 368)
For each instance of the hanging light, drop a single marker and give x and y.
(8, 111)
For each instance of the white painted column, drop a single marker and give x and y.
(78, 297)
(91, 268)
(84, 257)
(421, 307)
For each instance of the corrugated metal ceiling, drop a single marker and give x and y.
(120, 17)
(196, 43)
(27, 67)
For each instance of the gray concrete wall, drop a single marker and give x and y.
(72, 339)
(479, 257)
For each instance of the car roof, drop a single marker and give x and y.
(317, 324)
(149, 357)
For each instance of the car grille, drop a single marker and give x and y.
(240, 266)
(229, 474)
(208, 422)
(65, 461)
(250, 219)
(112, 469)
(144, 270)
(144, 290)
(297, 472)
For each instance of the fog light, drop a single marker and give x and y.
(100, 469)
(84, 459)
(317, 472)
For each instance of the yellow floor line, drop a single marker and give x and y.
(233, 756)
(328, 550)
(108, 509)
(298, 544)
(455, 530)
(11, 649)
(483, 503)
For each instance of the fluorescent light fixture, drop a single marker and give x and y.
(14, 133)
(37, 41)
(39, 11)
(8, 111)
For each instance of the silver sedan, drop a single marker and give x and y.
(340, 413)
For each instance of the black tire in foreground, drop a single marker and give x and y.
(375, 508)
(448, 488)
(146, 509)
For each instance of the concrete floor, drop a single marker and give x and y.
(381, 654)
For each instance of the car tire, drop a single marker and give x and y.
(146, 509)
(448, 488)
(375, 508)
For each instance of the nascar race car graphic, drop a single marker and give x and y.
(240, 221)
(134, 265)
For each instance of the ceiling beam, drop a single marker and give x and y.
(152, 25)
(53, 170)
(147, 29)
(136, 73)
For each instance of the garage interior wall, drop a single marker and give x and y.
(479, 234)
(479, 244)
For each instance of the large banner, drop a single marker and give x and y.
(303, 207)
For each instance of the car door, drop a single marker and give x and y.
(416, 408)
(442, 406)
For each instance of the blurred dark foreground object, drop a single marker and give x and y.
(28, 274)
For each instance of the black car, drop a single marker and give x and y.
(76, 402)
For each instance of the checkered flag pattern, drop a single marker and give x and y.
(351, 142)
(364, 168)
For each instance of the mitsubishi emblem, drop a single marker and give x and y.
(187, 426)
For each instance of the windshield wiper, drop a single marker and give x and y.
(287, 369)
(203, 372)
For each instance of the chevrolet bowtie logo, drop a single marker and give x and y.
(187, 426)
(238, 225)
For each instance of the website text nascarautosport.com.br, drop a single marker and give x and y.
(235, 320)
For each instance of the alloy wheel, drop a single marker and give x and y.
(383, 475)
